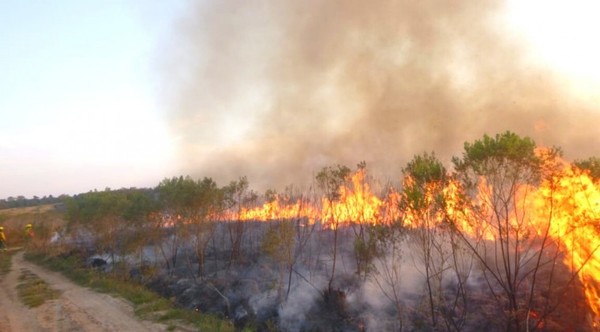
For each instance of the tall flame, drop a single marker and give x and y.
(356, 203)
(566, 206)
(571, 202)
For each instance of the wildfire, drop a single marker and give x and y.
(565, 206)
(570, 203)
(355, 204)
(275, 210)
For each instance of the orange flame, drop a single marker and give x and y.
(567, 206)
(355, 204)
(571, 201)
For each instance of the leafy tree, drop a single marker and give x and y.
(330, 179)
(497, 172)
(177, 197)
(237, 196)
(424, 205)
(210, 202)
(140, 214)
(279, 243)
(102, 214)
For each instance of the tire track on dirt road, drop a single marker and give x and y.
(76, 309)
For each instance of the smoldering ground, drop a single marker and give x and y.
(275, 90)
(258, 291)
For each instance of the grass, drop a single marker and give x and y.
(27, 210)
(5, 261)
(34, 291)
(147, 304)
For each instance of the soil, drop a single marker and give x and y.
(76, 309)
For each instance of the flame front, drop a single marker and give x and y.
(570, 203)
(355, 204)
(565, 207)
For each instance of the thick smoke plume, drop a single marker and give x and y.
(276, 90)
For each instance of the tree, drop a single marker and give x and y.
(390, 242)
(366, 205)
(279, 243)
(592, 165)
(498, 174)
(330, 179)
(423, 206)
(102, 214)
(178, 199)
(208, 204)
(237, 196)
(425, 200)
(141, 212)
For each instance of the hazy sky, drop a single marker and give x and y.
(97, 94)
(78, 95)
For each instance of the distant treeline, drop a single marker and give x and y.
(22, 201)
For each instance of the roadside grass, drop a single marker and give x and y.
(34, 291)
(147, 304)
(5, 261)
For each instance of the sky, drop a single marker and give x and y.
(78, 87)
(126, 93)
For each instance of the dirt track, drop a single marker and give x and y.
(76, 309)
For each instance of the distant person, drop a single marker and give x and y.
(29, 235)
(2, 239)
(29, 231)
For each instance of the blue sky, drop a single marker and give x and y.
(79, 107)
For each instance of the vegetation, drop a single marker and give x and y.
(22, 201)
(5, 262)
(147, 304)
(33, 291)
(591, 165)
(330, 179)
(474, 247)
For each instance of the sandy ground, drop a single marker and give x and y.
(76, 309)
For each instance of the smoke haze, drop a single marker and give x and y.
(276, 90)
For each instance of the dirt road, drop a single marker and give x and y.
(76, 309)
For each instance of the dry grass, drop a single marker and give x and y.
(45, 220)
(27, 210)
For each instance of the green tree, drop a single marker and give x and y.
(279, 243)
(503, 167)
(177, 196)
(237, 196)
(209, 203)
(140, 213)
(330, 179)
(422, 203)
(102, 215)
(424, 206)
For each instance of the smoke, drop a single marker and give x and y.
(276, 90)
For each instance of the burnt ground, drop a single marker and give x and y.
(252, 293)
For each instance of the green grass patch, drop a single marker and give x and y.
(147, 304)
(201, 321)
(34, 291)
(155, 307)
